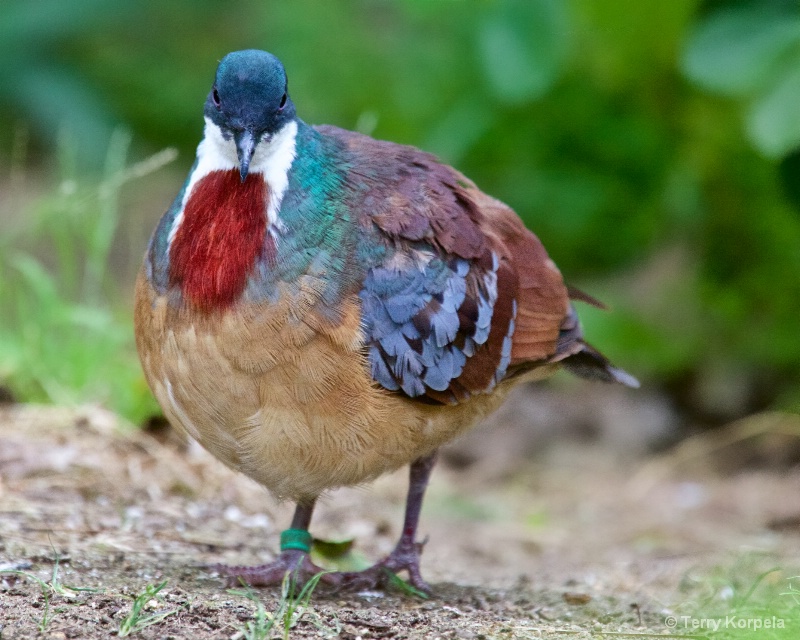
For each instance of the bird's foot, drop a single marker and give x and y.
(405, 557)
(298, 566)
(292, 562)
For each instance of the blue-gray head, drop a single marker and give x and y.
(249, 101)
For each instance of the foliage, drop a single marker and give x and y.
(744, 599)
(753, 52)
(292, 606)
(137, 620)
(49, 589)
(49, 92)
(61, 337)
(653, 146)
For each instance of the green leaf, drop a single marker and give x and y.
(338, 555)
(523, 47)
(773, 124)
(734, 52)
(333, 550)
(405, 587)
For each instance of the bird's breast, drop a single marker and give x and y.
(283, 393)
(219, 237)
(277, 391)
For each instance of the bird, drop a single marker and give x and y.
(317, 308)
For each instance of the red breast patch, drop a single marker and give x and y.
(220, 238)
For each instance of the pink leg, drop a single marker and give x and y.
(407, 551)
(290, 560)
(404, 557)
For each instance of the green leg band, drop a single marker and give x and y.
(299, 539)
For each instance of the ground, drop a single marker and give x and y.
(529, 535)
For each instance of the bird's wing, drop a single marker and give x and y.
(458, 293)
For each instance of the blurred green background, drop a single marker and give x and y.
(653, 146)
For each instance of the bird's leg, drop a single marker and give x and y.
(296, 544)
(407, 551)
(293, 559)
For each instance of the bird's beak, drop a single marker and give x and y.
(245, 146)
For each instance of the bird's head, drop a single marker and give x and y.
(249, 101)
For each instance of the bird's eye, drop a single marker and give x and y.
(283, 102)
(215, 97)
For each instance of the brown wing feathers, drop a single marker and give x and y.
(531, 278)
(464, 295)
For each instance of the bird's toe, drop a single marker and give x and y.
(291, 563)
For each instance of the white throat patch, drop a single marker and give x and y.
(272, 159)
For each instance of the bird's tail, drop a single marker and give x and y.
(590, 363)
(582, 359)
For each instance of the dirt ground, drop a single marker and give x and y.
(535, 531)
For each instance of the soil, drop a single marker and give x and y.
(531, 534)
